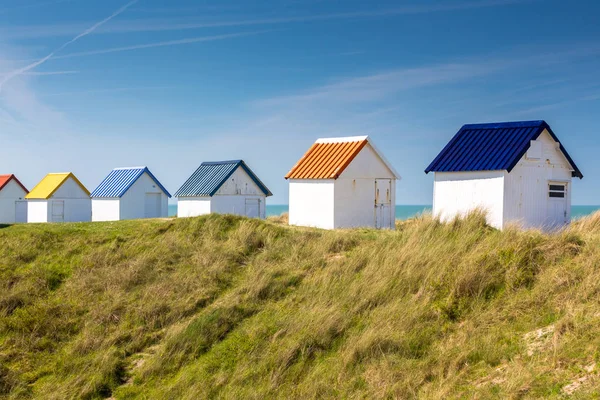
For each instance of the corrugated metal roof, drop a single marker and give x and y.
(492, 147)
(209, 177)
(50, 184)
(327, 158)
(4, 179)
(118, 182)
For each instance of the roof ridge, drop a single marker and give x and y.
(344, 139)
(221, 162)
(509, 124)
(129, 168)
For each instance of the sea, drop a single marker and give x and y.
(405, 211)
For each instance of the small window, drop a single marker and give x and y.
(557, 191)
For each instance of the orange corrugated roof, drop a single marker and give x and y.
(4, 179)
(327, 158)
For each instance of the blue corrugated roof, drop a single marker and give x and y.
(492, 147)
(118, 182)
(209, 177)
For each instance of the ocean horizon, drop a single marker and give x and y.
(403, 212)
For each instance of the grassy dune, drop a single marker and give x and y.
(225, 307)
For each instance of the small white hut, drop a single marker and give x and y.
(130, 193)
(343, 183)
(59, 198)
(517, 172)
(13, 206)
(223, 187)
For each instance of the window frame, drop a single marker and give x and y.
(557, 190)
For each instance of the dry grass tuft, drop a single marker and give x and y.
(282, 219)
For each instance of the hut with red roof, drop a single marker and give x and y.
(13, 206)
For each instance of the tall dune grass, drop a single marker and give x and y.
(225, 307)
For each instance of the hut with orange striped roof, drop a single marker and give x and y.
(343, 183)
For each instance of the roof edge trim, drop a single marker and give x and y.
(18, 182)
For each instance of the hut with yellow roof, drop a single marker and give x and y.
(59, 197)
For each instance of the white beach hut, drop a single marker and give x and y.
(518, 172)
(130, 193)
(343, 183)
(223, 187)
(59, 198)
(13, 206)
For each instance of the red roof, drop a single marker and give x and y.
(4, 179)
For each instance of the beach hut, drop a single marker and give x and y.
(343, 183)
(517, 172)
(130, 193)
(59, 198)
(13, 206)
(224, 187)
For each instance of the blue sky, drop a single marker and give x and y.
(172, 83)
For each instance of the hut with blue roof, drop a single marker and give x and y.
(223, 187)
(130, 193)
(517, 172)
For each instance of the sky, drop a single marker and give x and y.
(90, 85)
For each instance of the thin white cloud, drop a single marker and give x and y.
(559, 104)
(50, 73)
(378, 86)
(153, 25)
(33, 5)
(88, 31)
(109, 90)
(46, 73)
(159, 44)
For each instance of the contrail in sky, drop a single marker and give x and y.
(160, 44)
(31, 66)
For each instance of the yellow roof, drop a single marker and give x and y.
(50, 184)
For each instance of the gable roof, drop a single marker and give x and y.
(492, 147)
(5, 179)
(50, 184)
(210, 176)
(327, 158)
(120, 180)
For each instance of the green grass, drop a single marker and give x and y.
(225, 307)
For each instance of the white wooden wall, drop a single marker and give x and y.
(355, 191)
(526, 188)
(132, 202)
(458, 193)
(312, 203)
(77, 205)
(9, 195)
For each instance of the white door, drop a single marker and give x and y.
(20, 212)
(253, 208)
(558, 213)
(152, 205)
(383, 204)
(58, 211)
